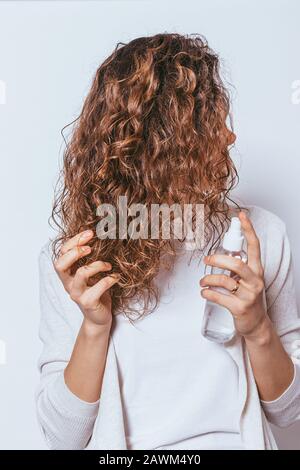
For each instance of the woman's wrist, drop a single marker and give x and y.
(263, 333)
(93, 330)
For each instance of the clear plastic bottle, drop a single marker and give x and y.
(218, 323)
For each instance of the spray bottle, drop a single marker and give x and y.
(218, 323)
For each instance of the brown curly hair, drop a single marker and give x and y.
(152, 128)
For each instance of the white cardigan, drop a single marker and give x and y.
(70, 423)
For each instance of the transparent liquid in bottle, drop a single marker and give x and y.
(218, 324)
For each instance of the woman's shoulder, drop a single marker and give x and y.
(46, 249)
(45, 257)
(264, 221)
(265, 218)
(47, 270)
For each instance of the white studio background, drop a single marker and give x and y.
(49, 51)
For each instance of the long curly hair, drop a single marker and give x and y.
(152, 128)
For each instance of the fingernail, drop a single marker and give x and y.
(87, 233)
(85, 249)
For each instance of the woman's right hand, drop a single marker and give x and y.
(95, 301)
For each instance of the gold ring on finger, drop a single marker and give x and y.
(237, 285)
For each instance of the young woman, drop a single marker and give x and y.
(124, 363)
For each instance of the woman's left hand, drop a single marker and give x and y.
(246, 304)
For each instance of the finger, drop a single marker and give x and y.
(218, 280)
(83, 274)
(225, 282)
(228, 301)
(64, 262)
(79, 239)
(253, 245)
(95, 292)
(231, 263)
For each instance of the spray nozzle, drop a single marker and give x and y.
(233, 238)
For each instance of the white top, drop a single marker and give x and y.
(70, 423)
(178, 388)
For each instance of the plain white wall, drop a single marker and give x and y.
(49, 52)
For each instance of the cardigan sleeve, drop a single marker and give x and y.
(66, 421)
(283, 311)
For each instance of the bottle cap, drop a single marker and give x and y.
(233, 238)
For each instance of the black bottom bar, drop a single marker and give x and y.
(133, 459)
